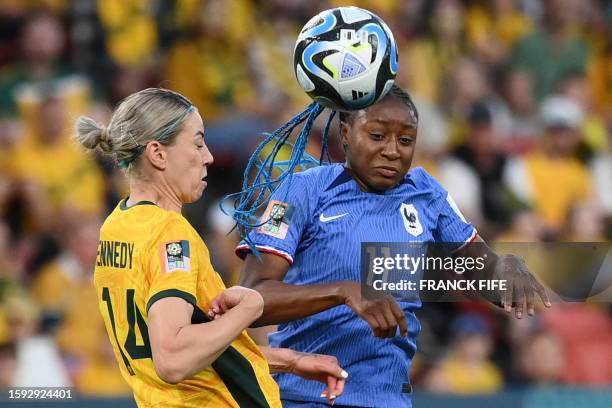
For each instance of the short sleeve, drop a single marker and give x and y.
(288, 213)
(450, 227)
(172, 265)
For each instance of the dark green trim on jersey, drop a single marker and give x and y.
(106, 297)
(236, 372)
(123, 204)
(188, 297)
(233, 368)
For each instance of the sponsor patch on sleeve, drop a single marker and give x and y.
(176, 256)
(279, 216)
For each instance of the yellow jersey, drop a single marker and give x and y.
(559, 184)
(145, 254)
(69, 176)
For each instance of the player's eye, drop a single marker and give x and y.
(405, 140)
(377, 136)
(200, 146)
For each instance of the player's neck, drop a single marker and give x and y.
(160, 195)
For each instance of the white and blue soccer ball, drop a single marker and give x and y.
(345, 58)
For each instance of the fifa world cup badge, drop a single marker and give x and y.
(176, 256)
(277, 218)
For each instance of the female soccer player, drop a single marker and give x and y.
(310, 270)
(154, 277)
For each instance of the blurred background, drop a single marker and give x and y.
(515, 98)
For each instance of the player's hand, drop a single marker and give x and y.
(322, 368)
(236, 296)
(521, 286)
(383, 315)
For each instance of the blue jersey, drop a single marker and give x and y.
(318, 225)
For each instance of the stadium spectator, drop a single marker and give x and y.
(586, 223)
(467, 368)
(428, 59)
(575, 87)
(467, 84)
(48, 189)
(493, 28)
(520, 127)
(211, 67)
(479, 162)
(540, 358)
(41, 65)
(550, 178)
(554, 49)
(64, 290)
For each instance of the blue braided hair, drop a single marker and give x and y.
(269, 173)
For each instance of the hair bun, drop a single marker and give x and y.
(91, 135)
(105, 142)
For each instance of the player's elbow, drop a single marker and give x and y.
(169, 371)
(168, 363)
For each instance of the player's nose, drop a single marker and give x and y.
(207, 157)
(391, 149)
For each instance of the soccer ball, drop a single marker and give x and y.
(345, 58)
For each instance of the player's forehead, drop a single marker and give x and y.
(388, 111)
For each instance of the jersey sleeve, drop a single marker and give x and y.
(288, 213)
(172, 265)
(451, 227)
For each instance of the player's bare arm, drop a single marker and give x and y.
(181, 349)
(285, 302)
(522, 286)
(316, 367)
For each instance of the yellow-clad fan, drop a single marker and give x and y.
(154, 278)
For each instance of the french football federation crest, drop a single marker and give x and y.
(410, 215)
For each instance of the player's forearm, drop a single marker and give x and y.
(280, 360)
(195, 347)
(480, 249)
(284, 302)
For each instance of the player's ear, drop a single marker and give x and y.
(345, 129)
(156, 155)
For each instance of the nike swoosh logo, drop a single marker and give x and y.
(323, 218)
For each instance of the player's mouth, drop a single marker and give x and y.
(387, 171)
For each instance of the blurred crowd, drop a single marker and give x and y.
(515, 100)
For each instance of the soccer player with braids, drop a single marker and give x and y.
(304, 257)
(154, 278)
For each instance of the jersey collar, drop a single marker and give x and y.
(123, 204)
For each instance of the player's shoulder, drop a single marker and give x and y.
(146, 222)
(174, 224)
(423, 181)
(321, 173)
(316, 178)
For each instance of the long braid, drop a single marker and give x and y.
(255, 194)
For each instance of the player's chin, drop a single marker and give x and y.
(381, 183)
(196, 193)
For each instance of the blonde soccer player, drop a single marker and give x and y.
(154, 278)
